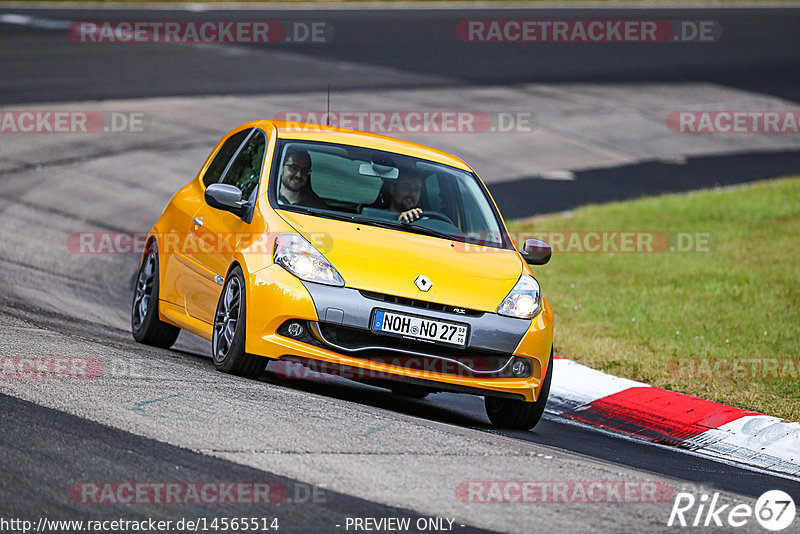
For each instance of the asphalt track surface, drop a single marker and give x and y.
(759, 51)
(371, 453)
(30, 481)
(530, 196)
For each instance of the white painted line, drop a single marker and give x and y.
(560, 174)
(34, 22)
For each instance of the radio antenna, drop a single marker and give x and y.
(328, 114)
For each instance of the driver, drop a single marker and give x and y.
(405, 193)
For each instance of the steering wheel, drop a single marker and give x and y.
(438, 215)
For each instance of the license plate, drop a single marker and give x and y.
(419, 328)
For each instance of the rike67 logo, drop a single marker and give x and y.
(774, 510)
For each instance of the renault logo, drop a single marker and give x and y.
(423, 283)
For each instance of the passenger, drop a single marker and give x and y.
(295, 188)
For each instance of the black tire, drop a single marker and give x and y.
(409, 390)
(146, 327)
(227, 343)
(521, 415)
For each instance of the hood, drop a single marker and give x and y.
(388, 261)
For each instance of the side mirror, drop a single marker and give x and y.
(226, 197)
(536, 252)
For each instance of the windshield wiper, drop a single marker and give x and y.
(426, 231)
(405, 227)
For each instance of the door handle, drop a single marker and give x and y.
(198, 221)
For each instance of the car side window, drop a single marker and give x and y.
(226, 152)
(245, 171)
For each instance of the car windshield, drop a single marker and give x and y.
(374, 187)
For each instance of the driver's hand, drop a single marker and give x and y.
(410, 215)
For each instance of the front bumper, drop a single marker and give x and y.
(337, 338)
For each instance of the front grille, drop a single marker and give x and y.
(421, 304)
(427, 356)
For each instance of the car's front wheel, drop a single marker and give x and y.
(227, 342)
(511, 413)
(146, 327)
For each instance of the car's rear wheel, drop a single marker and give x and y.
(228, 339)
(511, 413)
(146, 327)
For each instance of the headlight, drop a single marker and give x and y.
(524, 301)
(295, 254)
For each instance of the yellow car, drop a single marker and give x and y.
(374, 258)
